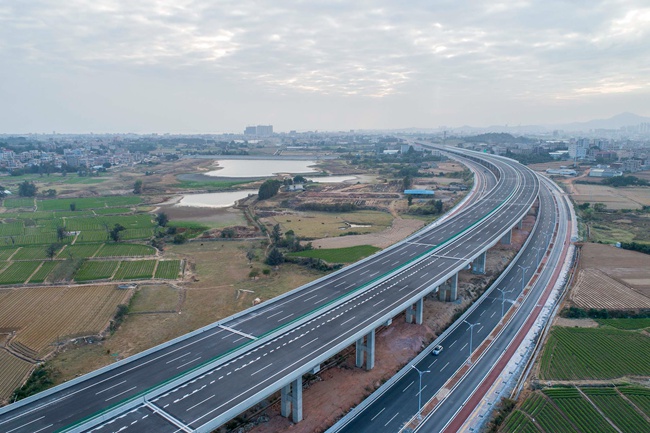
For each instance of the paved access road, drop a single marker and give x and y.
(398, 404)
(248, 333)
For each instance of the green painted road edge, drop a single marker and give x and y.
(143, 393)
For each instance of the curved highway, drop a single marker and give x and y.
(202, 379)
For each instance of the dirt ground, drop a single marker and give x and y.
(398, 230)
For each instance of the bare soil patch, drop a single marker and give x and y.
(575, 323)
(594, 289)
(398, 230)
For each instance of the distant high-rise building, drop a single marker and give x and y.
(259, 130)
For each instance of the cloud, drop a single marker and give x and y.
(362, 49)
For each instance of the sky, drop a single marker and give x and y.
(184, 66)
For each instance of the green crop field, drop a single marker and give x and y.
(31, 253)
(132, 270)
(639, 396)
(18, 272)
(79, 251)
(112, 210)
(12, 228)
(42, 273)
(97, 270)
(5, 253)
(338, 255)
(125, 250)
(579, 410)
(566, 410)
(518, 422)
(93, 236)
(627, 324)
(626, 418)
(168, 269)
(594, 353)
(15, 203)
(87, 203)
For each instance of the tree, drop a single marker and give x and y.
(115, 233)
(27, 189)
(73, 206)
(61, 233)
(106, 165)
(409, 199)
(407, 182)
(250, 255)
(50, 193)
(162, 219)
(299, 179)
(3, 194)
(180, 238)
(275, 257)
(600, 207)
(51, 250)
(268, 189)
(137, 187)
(276, 234)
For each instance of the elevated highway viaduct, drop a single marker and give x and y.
(201, 380)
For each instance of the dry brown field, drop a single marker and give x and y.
(314, 225)
(613, 198)
(44, 315)
(612, 278)
(12, 374)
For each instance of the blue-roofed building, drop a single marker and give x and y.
(419, 192)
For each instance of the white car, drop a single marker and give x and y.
(437, 350)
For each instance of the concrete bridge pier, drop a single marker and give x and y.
(448, 292)
(478, 265)
(415, 311)
(291, 400)
(366, 346)
(521, 224)
(507, 238)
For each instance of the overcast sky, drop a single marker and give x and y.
(186, 66)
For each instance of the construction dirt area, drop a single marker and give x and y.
(395, 346)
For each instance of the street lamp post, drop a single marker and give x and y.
(420, 373)
(523, 276)
(471, 335)
(503, 299)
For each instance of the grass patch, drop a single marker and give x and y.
(88, 202)
(594, 353)
(338, 255)
(315, 225)
(154, 298)
(41, 379)
(15, 203)
(626, 324)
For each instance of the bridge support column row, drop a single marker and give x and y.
(478, 265)
(366, 346)
(414, 312)
(449, 290)
(291, 400)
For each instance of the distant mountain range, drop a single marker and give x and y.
(615, 122)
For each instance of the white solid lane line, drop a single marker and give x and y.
(378, 413)
(110, 387)
(177, 358)
(123, 392)
(385, 425)
(199, 403)
(308, 343)
(188, 362)
(408, 386)
(266, 366)
(9, 431)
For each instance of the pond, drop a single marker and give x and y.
(260, 167)
(215, 199)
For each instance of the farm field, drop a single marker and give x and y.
(613, 198)
(43, 315)
(571, 409)
(12, 373)
(18, 272)
(594, 353)
(41, 274)
(168, 269)
(626, 324)
(87, 203)
(594, 289)
(100, 270)
(125, 250)
(338, 255)
(139, 269)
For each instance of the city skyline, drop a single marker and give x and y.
(189, 67)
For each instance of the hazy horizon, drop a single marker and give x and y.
(182, 66)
